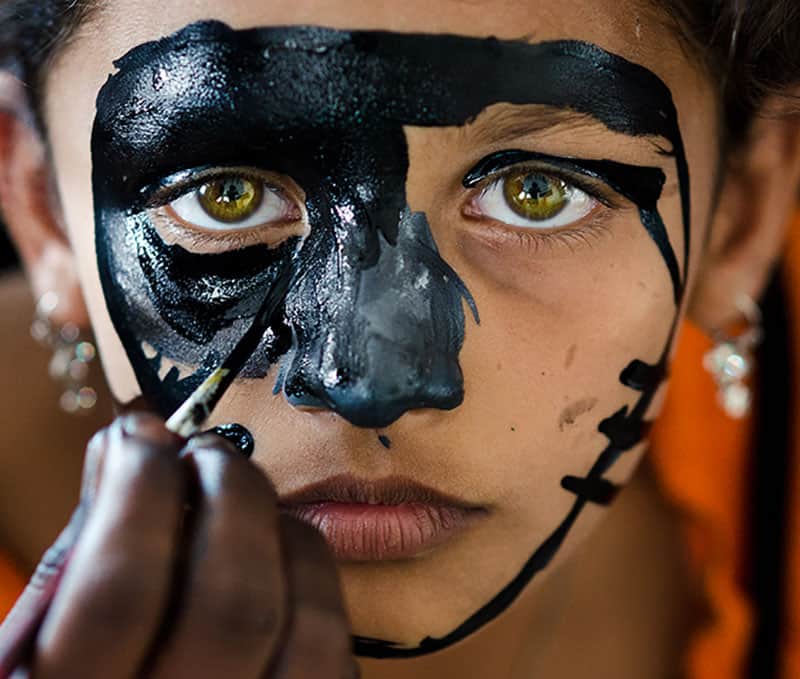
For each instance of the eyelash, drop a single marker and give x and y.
(584, 232)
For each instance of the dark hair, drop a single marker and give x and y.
(750, 47)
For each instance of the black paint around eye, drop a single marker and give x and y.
(377, 325)
(640, 185)
(327, 108)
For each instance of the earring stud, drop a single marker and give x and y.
(71, 359)
(731, 360)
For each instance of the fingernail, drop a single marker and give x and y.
(98, 442)
(208, 440)
(147, 427)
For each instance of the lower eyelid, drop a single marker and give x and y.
(174, 232)
(499, 235)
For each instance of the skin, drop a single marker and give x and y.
(560, 320)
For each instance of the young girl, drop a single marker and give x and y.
(496, 218)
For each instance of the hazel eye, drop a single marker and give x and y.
(534, 200)
(232, 203)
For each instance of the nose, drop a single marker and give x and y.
(375, 339)
(377, 398)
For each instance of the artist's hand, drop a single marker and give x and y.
(229, 588)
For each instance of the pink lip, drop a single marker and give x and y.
(388, 519)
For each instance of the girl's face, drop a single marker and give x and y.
(541, 186)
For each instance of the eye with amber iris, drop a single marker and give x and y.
(232, 203)
(230, 200)
(532, 199)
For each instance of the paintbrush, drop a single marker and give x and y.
(189, 418)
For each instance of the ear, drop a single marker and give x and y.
(29, 206)
(758, 200)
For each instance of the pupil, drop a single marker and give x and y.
(535, 196)
(233, 190)
(535, 187)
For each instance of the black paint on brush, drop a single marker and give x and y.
(377, 325)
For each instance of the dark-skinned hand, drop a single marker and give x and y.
(178, 564)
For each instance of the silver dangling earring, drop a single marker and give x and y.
(71, 358)
(731, 361)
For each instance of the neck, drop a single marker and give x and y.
(618, 607)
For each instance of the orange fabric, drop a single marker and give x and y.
(702, 459)
(11, 585)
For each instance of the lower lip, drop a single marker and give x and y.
(364, 532)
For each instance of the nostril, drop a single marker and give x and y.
(379, 398)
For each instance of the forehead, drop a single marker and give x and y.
(628, 28)
(633, 29)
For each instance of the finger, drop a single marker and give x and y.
(19, 629)
(113, 590)
(318, 642)
(234, 608)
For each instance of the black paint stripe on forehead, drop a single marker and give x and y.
(166, 107)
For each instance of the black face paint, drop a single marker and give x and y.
(376, 327)
(239, 436)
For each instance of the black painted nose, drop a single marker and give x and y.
(380, 397)
(375, 337)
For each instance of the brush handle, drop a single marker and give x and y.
(187, 420)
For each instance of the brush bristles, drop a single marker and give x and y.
(187, 420)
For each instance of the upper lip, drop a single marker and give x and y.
(392, 490)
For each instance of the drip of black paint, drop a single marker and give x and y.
(328, 108)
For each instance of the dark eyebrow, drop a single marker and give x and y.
(506, 124)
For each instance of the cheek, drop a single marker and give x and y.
(543, 369)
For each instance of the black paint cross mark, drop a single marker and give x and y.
(598, 491)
